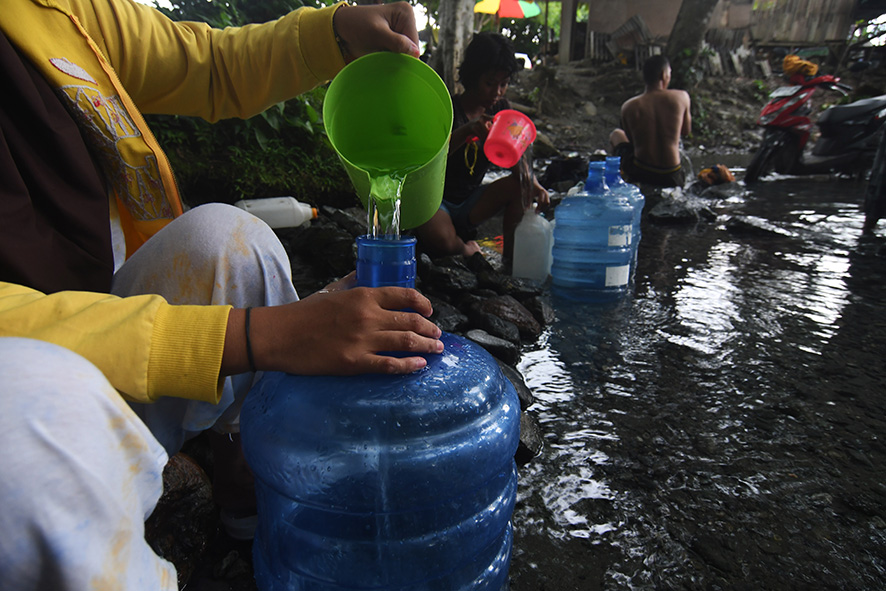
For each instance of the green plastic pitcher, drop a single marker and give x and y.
(391, 113)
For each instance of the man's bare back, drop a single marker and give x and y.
(654, 121)
(651, 125)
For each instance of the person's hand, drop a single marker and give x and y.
(336, 333)
(471, 248)
(475, 129)
(480, 126)
(540, 195)
(376, 27)
(346, 282)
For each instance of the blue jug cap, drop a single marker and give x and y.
(612, 172)
(596, 183)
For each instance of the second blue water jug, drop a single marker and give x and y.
(616, 184)
(385, 482)
(593, 242)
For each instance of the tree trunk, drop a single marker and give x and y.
(685, 41)
(567, 25)
(456, 18)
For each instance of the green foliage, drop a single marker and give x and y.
(871, 31)
(283, 151)
(527, 34)
(555, 9)
(232, 13)
(761, 90)
(705, 128)
(686, 72)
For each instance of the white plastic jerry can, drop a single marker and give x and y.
(533, 242)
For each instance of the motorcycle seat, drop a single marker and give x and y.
(843, 113)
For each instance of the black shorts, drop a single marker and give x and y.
(635, 172)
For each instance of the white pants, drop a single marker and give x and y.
(79, 474)
(80, 470)
(214, 254)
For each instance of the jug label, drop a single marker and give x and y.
(620, 236)
(618, 276)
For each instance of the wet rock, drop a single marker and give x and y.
(541, 309)
(754, 226)
(483, 293)
(352, 220)
(185, 519)
(468, 301)
(328, 246)
(714, 552)
(478, 264)
(422, 262)
(508, 308)
(531, 439)
(498, 348)
(490, 280)
(496, 326)
(504, 284)
(448, 279)
(447, 316)
(516, 378)
(520, 287)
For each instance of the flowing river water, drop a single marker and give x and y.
(722, 427)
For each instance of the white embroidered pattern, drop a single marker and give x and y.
(71, 69)
(106, 125)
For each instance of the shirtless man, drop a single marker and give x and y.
(652, 124)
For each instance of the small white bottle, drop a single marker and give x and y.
(279, 212)
(533, 242)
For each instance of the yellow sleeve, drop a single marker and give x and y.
(188, 68)
(146, 347)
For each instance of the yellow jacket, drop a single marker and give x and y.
(111, 60)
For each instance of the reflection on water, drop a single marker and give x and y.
(705, 432)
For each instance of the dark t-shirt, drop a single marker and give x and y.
(460, 182)
(54, 223)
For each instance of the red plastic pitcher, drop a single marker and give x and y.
(510, 135)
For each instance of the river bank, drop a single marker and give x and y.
(577, 106)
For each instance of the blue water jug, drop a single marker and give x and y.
(593, 238)
(385, 482)
(617, 184)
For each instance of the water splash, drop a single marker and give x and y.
(526, 174)
(383, 208)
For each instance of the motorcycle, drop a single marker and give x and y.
(849, 133)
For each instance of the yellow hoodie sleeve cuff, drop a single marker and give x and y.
(317, 43)
(186, 352)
